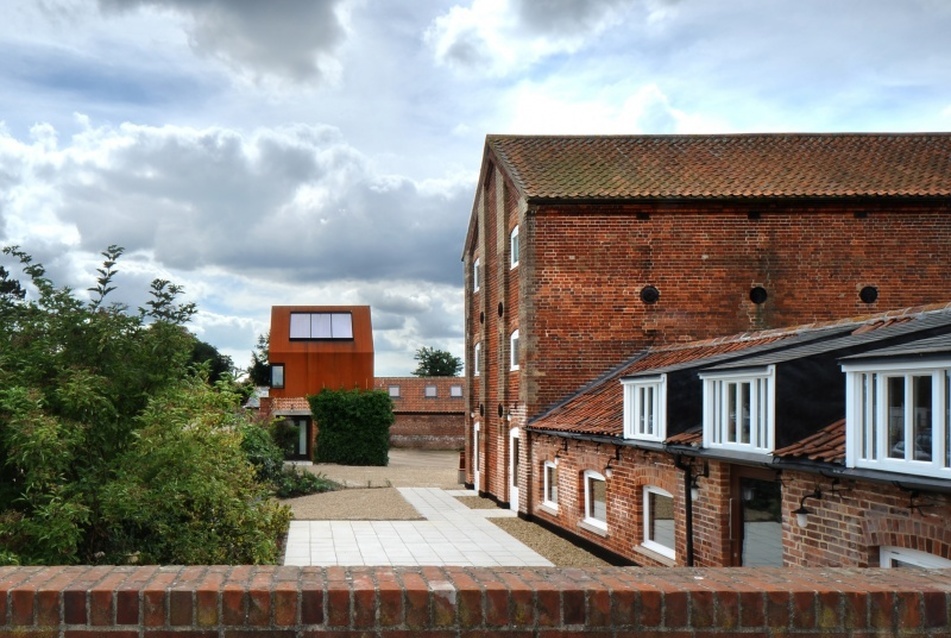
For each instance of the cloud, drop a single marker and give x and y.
(504, 37)
(291, 39)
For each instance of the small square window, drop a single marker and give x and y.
(455, 391)
(431, 391)
(277, 375)
(394, 391)
(513, 247)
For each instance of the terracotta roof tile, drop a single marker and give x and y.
(828, 445)
(727, 166)
(412, 397)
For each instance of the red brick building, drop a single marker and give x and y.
(584, 251)
(429, 411)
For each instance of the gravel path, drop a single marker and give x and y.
(371, 496)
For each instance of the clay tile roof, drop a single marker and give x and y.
(413, 397)
(828, 445)
(727, 166)
(692, 437)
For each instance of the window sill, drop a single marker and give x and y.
(549, 508)
(667, 561)
(593, 528)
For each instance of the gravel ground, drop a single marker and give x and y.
(371, 496)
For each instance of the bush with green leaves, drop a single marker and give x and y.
(262, 452)
(294, 481)
(353, 426)
(114, 447)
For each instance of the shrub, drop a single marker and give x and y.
(353, 426)
(296, 482)
(262, 453)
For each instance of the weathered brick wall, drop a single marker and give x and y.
(589, 264)
(428, 431)
(331, 602)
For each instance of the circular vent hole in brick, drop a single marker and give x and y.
(758, 295)
(650, 294)
(868, 294)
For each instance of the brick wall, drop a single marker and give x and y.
(588, 265)
(428, 431)
(237, 602)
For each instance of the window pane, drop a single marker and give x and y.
(921, 387)
(394, 391)
(431, 391)
(732, 405)
(515, 461)
(341, 325)
(895, 403)
(455, 390)
(320, 326)
(277, 376)
(660, 518)
(551, 483)
(743, 417)
(597, 507)
(300, 325)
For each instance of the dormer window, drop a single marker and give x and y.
(897, 417)
(644, 408)
(739, 410)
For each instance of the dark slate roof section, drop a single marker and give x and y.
(827, 445)
(934, 346)
(784, 165)
(893, 325)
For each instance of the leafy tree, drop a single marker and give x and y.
(354, 426)
(259, 371)
(436, 363)
(112, 443)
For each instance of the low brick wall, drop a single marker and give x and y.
(431, 601)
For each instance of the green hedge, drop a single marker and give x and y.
(353, 426)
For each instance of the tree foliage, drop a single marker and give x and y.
(259, 372)
(436, 363)
(113, 445)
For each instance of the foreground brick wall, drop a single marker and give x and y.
(432, 601)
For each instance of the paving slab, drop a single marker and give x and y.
(451, 534)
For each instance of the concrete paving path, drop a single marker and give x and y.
(452, 534)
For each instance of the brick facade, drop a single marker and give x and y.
(426, 422)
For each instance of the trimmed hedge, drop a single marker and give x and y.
(353, 426)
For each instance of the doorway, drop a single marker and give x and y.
(756, 524)
(514, 461)
(296, 438)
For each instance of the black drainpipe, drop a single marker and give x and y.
(688, 509)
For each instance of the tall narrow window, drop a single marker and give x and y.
(476, 359)
(513, 248)
(476, 282)
(595, 500)
(659, 521)
(550, 487)
(513, 349)
(277, 375)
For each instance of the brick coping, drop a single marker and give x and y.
(300, 601)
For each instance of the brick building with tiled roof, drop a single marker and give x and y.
(583, 252)
(429, 411)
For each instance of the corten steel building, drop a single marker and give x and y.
(583, 251)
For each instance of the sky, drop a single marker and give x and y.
(326, 152)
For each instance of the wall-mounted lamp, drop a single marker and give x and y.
(802, 514)
(609, 468)
(695, 480)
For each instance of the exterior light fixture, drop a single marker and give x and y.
(802, 514)
(695, 480)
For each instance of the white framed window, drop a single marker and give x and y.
(476, 359)
(431, 392)
(659, 534)
(394, 391)
(739, 410)
(277, 375)
(455, 391)
(513, 248)
(321, 325)
(476, 282)
(595, 500)
(513, 351)
(889, 556)
(550, 485)
(645, 414)
(898, 417)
